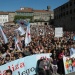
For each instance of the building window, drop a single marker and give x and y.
(55, 17)
(71, 11)
(66, 5)
(5, 20)
(71, 18)
(1, 20)
(66, 12)
(61, 8)
(74, 10)
(70, 3)
(74, 2)
(61, 14)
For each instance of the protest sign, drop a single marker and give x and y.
(69, 64)
(59, 32)
(23, 66)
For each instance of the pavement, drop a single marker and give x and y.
(64, 74)
(71, 73)
(68, 74)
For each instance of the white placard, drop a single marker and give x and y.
(59, 32)
(23, 66)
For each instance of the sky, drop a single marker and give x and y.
(13, 5)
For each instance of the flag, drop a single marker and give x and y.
(22, 23)
(17, 44)
(20, 30)
(72, 51)
(28, 36)
(3, 35)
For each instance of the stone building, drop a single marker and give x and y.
(39, 16)
(3, 17)
(11, 16)
(64, 16)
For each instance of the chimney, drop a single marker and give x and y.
(22, 8)
(48, 8)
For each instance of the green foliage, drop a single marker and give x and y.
(18, 17)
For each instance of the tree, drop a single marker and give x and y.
(18, 17)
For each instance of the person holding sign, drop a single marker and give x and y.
(60, 62)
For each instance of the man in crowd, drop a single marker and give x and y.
(44, 67)
(40, 44)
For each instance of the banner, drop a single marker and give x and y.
(28, 35)
(72, 51)
(69, 64)
(23, 66)
(22, 23)
(59, 32)
(3, 35)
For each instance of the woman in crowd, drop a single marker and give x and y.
(46, 43)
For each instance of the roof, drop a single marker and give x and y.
(31, 10)
(44, 11)
(11, 12)
(4, 13)
(41, 11)
(25, 10)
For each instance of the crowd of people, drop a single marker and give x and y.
(43, 41)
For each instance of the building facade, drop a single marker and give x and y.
(3, 18)
(6, 17)
(36, 15)
(64, 16)
(25, 12)
(11, 16)
(39, 17)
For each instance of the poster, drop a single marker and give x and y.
(59, 32)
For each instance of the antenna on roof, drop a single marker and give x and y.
(48, 8)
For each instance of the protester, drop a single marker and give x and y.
(43, 67)
(9, 72)
(41, 43)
